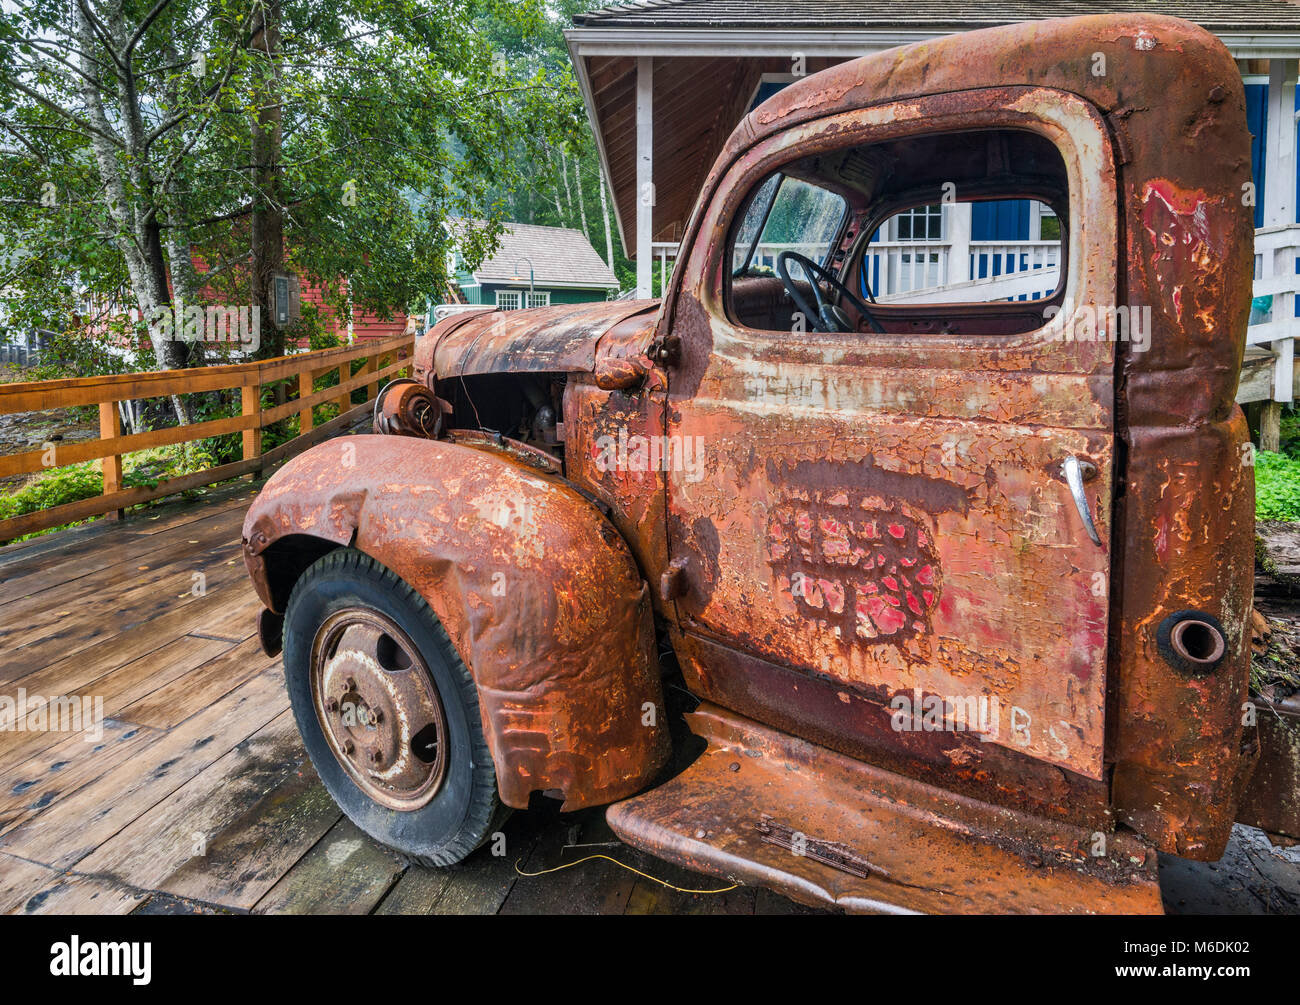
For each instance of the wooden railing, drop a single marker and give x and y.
(381, 362)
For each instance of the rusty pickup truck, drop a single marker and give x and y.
(958, 570)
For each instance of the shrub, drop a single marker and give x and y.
(1277, 486)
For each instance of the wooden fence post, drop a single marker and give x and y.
(305, 419)
(370, 366)
(251, 399)
(345, 399)
(1270, 425)
(110, 428)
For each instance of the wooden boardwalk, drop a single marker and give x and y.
(199, 798)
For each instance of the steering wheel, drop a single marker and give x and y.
(827, 317)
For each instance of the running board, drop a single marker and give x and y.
(763, 808)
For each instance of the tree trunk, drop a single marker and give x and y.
(568, 193)
(267, 221)
(555, 192)
(582, 203)
(134, 211)
(604, 211)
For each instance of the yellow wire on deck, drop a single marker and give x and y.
(607, 858)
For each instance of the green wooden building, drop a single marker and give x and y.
(536, 267)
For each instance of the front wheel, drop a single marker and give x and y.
(388, 711)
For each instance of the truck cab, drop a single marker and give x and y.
(960, 578)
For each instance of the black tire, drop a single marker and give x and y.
(465, 810)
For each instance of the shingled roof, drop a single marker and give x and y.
(958, 15)
(560, 256)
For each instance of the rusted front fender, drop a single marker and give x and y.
(537, 591)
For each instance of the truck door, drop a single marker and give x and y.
(914, 512)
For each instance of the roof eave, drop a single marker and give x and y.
(623, 40)
(589, 102)
(549, 283)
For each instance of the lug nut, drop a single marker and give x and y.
(331, 705)
(348, 747)
(376, 716)
(350, 684)
(376, 755)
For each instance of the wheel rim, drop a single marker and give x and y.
(378, 708)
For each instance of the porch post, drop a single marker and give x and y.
(1279, 211)
(645, 192)
(959, 222)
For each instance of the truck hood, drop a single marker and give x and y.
(606, 339)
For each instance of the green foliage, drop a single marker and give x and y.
(312, 327)
(1291, 431)
(395, 115)
(1277, 486)
(81, 481)
(567, 162)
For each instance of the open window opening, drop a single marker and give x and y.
(950, 233)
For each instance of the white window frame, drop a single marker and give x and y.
(538, 298)
(920, 214)
(509, 300)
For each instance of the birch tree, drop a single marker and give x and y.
(140, 136)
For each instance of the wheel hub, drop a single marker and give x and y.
(378, 708)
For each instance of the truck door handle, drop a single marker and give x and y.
(1076, 473)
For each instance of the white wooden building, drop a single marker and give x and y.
(666, 81)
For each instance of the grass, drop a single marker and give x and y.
(1277, 486)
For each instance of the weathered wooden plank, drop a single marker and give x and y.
(117, 540)
(649, 897)
(20, 879)
(481, 883)
(137, 543)
(417, 892)
(30, 888)
(1281, 547)
(199, 686)
(104, 588)
(55, 773)
(251, 854)
(74, 630)
(347, 872)
(237, 621)
(129, 682)
(170, 846)
(222, 609)
(74, 827)
(166, 904)
(117, 689)
(767, 902)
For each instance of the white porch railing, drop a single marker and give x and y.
(915, 272)
(1276, 326)
(923, 272)
(995, 270)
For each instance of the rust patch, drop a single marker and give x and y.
(540, 597)
(868, 568)
(1185, 247)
